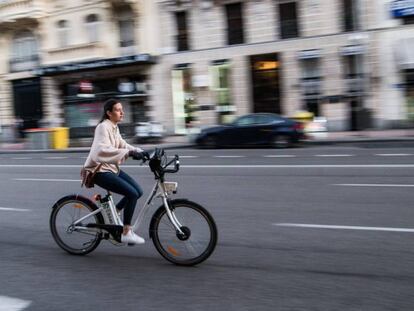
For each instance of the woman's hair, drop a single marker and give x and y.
(108, 106)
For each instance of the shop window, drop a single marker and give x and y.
(63, 33)
(288, 16)
(311, 84)
(92, 27)
(408, 20)
(184, 103)
(182, 31)
(409, 94)
(235, 30)
(220, 74)
(350, 15)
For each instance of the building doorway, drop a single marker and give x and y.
(266, 83)
(28, 102)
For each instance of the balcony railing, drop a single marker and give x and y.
(79, 52)
(311, 86)
(24, 63)
(356, 85)
(13, 10)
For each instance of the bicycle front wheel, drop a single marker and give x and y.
(197, 239)
(76, 240)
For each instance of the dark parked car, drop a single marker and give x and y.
(252, 130)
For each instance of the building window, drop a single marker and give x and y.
(63, 33)
(235, 31)
(288, 17)
(24, 52)
(126, 27)
(92, 27)
(182, 31)
(350, 17)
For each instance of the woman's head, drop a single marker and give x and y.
(113, 111)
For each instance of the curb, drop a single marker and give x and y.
(360, 141)
(356, 141)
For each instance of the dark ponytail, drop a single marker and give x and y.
(108, 106)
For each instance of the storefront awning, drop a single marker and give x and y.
(402, 8)
(95, 64)
(404, 56)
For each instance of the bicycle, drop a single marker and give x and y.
(182, 231)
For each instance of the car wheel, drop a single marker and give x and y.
(282, 141)
(209, 142)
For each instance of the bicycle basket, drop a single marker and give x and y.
(156, 162)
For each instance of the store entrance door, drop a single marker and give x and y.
(28, 102)
(266, 85)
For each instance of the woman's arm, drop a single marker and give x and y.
(103, 151)
(125, 145)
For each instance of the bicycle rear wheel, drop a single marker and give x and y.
(65, 212)
(199, 228)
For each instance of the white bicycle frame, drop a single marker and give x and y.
(160, 190)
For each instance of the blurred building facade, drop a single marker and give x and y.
(62, 59)
(189, 63)
(346, 60)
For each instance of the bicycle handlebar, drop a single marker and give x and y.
(176, 162)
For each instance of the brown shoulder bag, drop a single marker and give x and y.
(88, 176)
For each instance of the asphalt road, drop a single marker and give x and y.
(324, 228)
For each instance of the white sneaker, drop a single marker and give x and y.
(132, 238)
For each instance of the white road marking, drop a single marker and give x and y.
(52, 180)
(334, 155)
(314, 226)
(373, 185)
(55, 158)
(13, 304)
(22, 158)
(229, 156)
(393, 154)
(187, 157)
(280, 156)
(77, 166)
(11, 209)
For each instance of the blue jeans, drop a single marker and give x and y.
(124, 185)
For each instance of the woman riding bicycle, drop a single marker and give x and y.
(108, 151)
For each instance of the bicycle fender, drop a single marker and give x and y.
(75, 197)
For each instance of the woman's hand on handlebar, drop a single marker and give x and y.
(136, 155)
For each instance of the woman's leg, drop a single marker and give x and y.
(128, 213)
(115, 183)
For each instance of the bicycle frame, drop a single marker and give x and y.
(161, 190)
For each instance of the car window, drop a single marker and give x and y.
(246, 120)
(263, 119)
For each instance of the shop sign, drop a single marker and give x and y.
(105, 63)
(401, 8)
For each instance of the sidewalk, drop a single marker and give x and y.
(324, 138)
